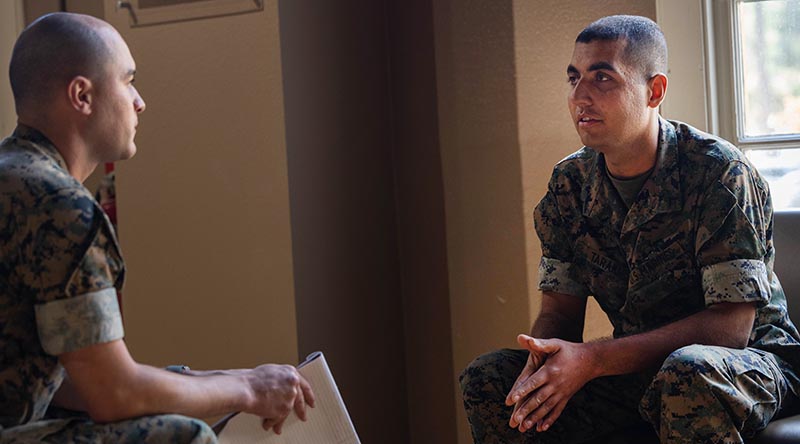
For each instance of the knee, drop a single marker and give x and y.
(181, 429)
(490, 374)
(477, 372)
(692, 359)
(691, 366)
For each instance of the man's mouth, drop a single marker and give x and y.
(586, 121)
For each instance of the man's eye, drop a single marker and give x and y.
(572, 80)
(602, 77)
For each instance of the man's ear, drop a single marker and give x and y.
(657, 85)
(80, 93)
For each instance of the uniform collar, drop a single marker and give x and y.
(41, 142)
(661, 192)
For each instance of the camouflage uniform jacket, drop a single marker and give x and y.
(698, 234)
(59, 272)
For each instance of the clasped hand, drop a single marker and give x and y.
(555, 371)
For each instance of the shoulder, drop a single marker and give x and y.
(705, 148)
(36, 191)
(32, 176)
(576, 166)
(707, 158)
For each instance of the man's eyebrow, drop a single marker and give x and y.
(602, 65)
(594, 67)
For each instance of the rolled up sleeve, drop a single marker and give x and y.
(554, 275)
(70, 324)
(742, 280)
(733, 239)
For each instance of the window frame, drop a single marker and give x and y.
(724, 43)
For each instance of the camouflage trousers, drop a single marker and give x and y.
(701, 394)
(161, 429)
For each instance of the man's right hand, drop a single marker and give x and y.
(278, 390)
(535, 361)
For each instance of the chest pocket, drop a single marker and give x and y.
(604, 272)
(663, 287)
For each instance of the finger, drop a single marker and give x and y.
(278, 428)
(551, 417)
(534, 382)
(522, 340)
(308, 393)
(524, 388)
(300, 404)
(536, 416)
(268, 423)
(537, 345)
(520, 380)
(521, 410)
(531, 411)
(514, 421)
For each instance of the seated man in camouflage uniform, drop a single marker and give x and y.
(670, 229)
(60, 326)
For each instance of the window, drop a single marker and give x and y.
(764, 45)
(767, 60)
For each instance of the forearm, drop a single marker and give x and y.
(562, 316)
(555, 325)
(726, 325)
(150, 390)
(114, 386)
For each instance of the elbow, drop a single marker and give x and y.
(737, 341)
(733, 324)
(103, 414)
(114, 406)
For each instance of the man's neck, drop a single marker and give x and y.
(69, 144)
(635, 158)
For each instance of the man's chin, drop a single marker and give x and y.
(129, 153)
(589, 139)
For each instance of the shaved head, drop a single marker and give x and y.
(51, 52)
(646, 47)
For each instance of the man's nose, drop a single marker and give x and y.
(138, 104)
(579, 95)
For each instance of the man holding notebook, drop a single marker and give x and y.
(61, 335)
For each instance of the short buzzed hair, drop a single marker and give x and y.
(646, 47)
(51, 52)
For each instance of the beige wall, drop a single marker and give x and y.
(477, 113)
(11, 22)
(688, 98)
(203, 207)
(339, 145)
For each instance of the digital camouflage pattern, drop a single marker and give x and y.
(699, 233)
(161, 429)
(60, 271)
(714, 395)
(710, 395)
(600, 407)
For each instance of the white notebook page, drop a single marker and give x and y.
(328, 422)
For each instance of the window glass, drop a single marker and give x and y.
(781, 168)
(769, 59)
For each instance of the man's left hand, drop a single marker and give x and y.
(542, 398)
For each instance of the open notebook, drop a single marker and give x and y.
(328, 422)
